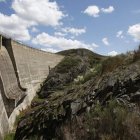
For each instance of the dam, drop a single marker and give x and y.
(22, 70)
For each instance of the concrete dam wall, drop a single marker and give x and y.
(22, 70)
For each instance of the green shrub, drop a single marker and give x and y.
(38, 100)
(93, 60)
(136, 55)
(67, 63)
(113, 122)
(21, 114)
(87, 77)
(9, 136)
(111, 63)
(92, 73)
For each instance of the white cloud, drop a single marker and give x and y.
(134, 31)
(105, 41)
(74, 31)
(15, 27)
(113, 53)
(110, 9)
(92, 11)
(60, 43)
(29, 14)
(41, 12)
(59, 34)
(34, 30)
(49, 50)
(95, 45)
(120, 34)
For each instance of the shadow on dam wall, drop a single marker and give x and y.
(6, 42)
(21, 67)
(8, 103)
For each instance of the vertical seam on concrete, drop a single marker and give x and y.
(4, 95)
(0, 41)
(10, 49)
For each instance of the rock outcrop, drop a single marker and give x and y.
(64, 101)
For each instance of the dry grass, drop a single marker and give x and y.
(111, 63)
(113, 122)
(136, 54)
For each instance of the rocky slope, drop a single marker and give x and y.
(86, 96)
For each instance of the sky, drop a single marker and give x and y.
(107, 27)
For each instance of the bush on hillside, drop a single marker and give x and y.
(67, 63)
(113, 122)
(136, 54)
(92, 73)
(111, 63)
(9, 136)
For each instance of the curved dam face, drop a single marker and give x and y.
(22, 70)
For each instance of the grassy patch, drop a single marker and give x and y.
(9, 136)
(92, 73)
(37, 99)
(21, 114)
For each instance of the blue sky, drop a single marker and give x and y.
(107, 27)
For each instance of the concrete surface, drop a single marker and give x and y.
(22, 70)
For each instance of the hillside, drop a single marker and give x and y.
(86, 96)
